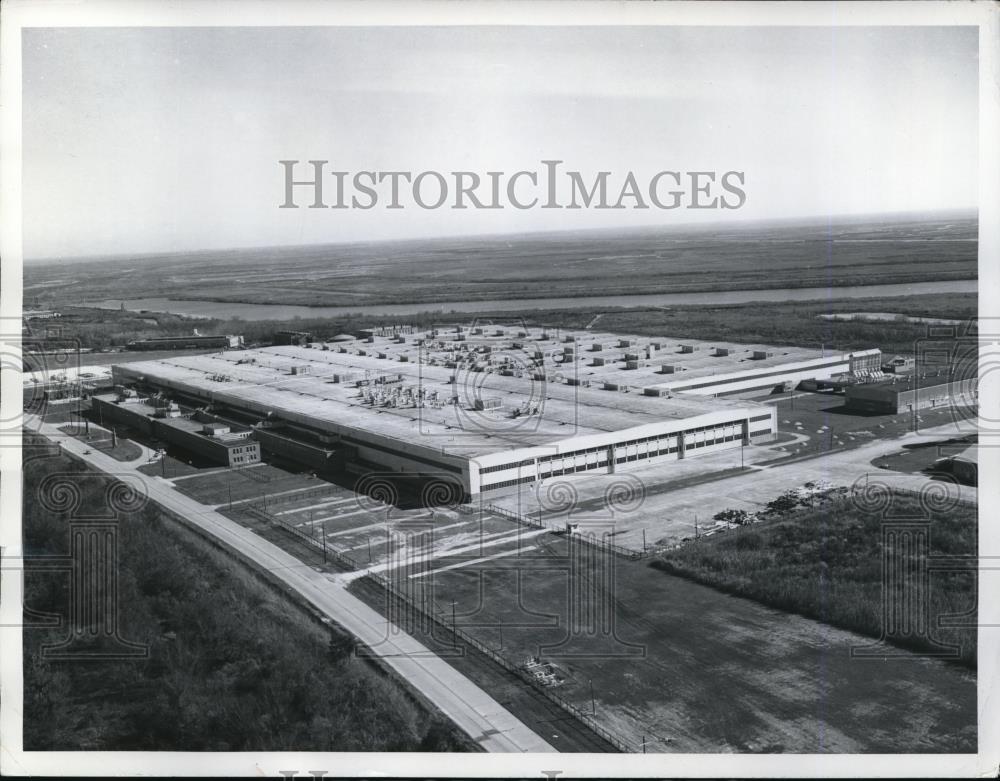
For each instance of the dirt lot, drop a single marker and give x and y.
(693, 669)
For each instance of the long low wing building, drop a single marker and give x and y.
(474, 413)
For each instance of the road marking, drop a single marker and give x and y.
(210, 472)
(523, 535)
(338, 500)
(470, 562)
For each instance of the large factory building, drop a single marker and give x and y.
(489, 407)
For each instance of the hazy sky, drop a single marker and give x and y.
(145, 140)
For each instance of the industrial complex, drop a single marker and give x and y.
(485, 407)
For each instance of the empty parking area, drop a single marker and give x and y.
(378, 536)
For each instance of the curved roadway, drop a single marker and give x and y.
(486, 721)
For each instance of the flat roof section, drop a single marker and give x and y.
(600, 358)
(264, 377)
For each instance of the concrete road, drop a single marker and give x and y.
(473, 710)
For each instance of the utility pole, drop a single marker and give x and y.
(369, 548)
(696, 526)
(501, 632)
(643, 744)
(643, 540)
(323, 522)
(593, 701)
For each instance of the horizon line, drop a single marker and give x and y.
(968, 211)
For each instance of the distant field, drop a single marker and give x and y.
(585, 264)
(794, 323)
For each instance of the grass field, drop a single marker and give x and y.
(586, 263)
(916, 458)
(100, 439)
(827, 563)
(232, 665)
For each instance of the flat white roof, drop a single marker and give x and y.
(263, 377)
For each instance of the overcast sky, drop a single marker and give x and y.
(148, 140)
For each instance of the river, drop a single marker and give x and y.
(228, 310)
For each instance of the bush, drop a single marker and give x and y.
(827, 563)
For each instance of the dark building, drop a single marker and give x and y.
(963, 466)
(187, 343)
(213, 440)
(297, 338)
(906, 394)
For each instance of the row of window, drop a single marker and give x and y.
(648, 454)
(506, 483)
(712, 427)
(621, 460)
(571, 469)
(759, 418)
(500, 467)
(571, 454)
(603, 450)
